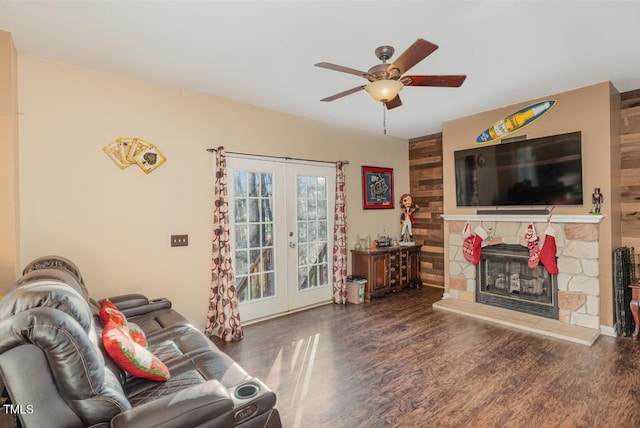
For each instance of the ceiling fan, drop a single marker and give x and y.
(386, 80)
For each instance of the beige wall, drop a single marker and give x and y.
(592, 110)
(115, 224)
(9, 173)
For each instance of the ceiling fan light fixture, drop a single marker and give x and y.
(384, 90)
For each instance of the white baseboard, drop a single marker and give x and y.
(608, 331)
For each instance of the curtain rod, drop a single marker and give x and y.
(277, 157)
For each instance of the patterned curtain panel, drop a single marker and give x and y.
(223, 318)
(340, 239)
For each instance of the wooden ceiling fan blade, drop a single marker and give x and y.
(450, 81)
(341, 68)
(415, 53)
(344, 93)
(396, 102)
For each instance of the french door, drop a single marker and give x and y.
(282, 233)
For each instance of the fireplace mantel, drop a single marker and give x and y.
(518, 218)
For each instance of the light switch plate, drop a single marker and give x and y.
(179, 240)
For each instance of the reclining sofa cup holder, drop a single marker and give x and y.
(247, 391)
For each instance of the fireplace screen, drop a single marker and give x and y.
(504, 279)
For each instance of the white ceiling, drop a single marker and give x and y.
(263, 52)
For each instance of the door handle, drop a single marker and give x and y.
(292, 245)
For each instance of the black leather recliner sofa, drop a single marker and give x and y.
(56, 372)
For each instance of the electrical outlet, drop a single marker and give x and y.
(179, 240)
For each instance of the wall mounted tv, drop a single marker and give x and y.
(542, 171)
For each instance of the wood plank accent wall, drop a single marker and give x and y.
(425, 182)
(630, 169)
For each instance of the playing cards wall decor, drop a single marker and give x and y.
(133, 151)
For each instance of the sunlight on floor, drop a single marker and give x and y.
(304, 355)
(273, 378)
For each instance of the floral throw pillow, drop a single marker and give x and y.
(109, 311)
(130, 356)
(136, 334)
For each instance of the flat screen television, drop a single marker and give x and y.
(541, 171)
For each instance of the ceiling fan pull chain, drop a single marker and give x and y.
(384, 119)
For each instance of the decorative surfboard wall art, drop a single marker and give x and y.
(515, 122)
(134, 151)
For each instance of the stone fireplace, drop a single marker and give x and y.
(572, 296)
(504, 279)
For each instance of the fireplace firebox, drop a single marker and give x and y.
(504, 279)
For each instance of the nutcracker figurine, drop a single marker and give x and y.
(406, 217)
(597, 200)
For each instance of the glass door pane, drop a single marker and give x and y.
(254, 245)
(313, 261)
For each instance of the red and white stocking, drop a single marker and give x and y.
(467, 247)
(548, 251)
(472, 245)
(532, 244)
(481, 235)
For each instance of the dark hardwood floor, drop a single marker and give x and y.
(397, 363)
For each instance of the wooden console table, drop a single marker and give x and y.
(387, 269)
(635, 308)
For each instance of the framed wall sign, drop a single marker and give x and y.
(377, 187)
